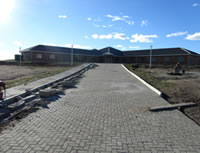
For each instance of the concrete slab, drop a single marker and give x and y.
(170, 107)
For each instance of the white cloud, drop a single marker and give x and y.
(195, 36)
(107, 26)
(130, 22)
(95, 36)
(124, 18)
(103, 26)
(18, 43)
(96, 25)
(195, 5)
(62, 16)
(120, 36)
(115, 18)
(144, 23)
(143, 38)
(108, 36)
(134, 47)
(176, 34)
(86, 37)
(49, 44)
(93, 19)
(118, 46)
(77, 46)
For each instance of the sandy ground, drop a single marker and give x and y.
(183, 88)
(16, 75)
(13, 72)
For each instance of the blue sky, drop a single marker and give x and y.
(123, 24)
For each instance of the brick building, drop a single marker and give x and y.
(53, 54)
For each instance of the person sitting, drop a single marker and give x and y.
(177, 68)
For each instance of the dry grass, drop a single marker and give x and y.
(17, 75)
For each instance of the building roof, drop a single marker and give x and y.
(110, 51)
(55, 49)
(160, 52)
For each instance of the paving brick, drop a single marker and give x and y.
(107, 112)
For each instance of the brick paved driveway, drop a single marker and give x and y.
(108, 112)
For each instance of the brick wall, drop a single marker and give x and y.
(66, 58)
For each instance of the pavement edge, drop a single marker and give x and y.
(144, 82)
(82, 68)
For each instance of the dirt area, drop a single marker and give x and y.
(178, 88)
(16, 75)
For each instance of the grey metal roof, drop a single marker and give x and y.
(55, 49)
(112, 51)
(108, 53)
(160, 52)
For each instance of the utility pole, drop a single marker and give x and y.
(20, 56)
(150, 60)
(72, 56)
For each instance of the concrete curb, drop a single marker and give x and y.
(10, 100)
(144, 82)
(161, 94)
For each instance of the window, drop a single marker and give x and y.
(39, 56)
(166, 59)
(180, 59)
(51, 56)
(153, 59)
